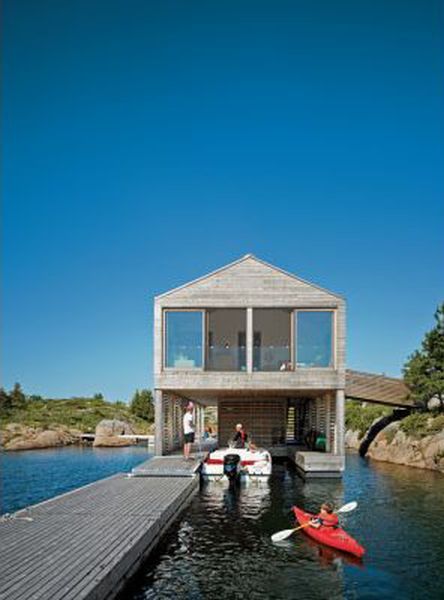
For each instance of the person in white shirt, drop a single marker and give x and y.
(188, 430)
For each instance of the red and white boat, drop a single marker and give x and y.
(237, 465)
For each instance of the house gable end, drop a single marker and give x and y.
(249, 281)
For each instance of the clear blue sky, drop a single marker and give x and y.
(147, 143)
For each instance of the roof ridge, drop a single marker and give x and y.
(240, 260)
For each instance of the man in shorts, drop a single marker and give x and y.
(188, 430)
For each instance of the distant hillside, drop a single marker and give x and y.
(75, 413)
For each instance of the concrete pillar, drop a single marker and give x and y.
(327, 401)
(249, 340)
(340, 418)
(202, 422)
(158, 423)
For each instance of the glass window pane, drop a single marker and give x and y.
(226, 350)
(271, 339)
(314, 338)
(183, 339)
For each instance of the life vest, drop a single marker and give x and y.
(328, 520)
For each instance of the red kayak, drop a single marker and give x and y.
(330, 536)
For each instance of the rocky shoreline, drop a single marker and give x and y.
(16, 436)
(393, 445)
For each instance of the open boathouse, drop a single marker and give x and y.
(266, 348)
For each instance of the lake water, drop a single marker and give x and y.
(31, 476)
(220, 547)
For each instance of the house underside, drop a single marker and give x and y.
(303, 425)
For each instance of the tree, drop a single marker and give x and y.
(424, 370)
(18, 398)
(5, 401)
(142, 405)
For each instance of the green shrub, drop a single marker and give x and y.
(420, 424)
(360, 418)
(76, 413)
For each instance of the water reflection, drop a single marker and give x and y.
(221, 546)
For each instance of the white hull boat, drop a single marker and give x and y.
(237, 465)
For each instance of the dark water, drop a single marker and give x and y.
(220, 547)
(35, 475)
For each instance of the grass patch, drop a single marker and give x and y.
(76, 413)
(419, 425)
(359, 417)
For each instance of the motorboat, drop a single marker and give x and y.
(237, 465)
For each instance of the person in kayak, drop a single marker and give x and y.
(240, 437)
(325, 517)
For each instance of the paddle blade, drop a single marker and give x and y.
(347, 507)
(281, 535)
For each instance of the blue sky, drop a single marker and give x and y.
(147, 143)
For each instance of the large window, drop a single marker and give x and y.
(271, 339)
(314, 338)
(183, 338)
(226, 339)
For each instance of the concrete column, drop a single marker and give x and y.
(340, 418)
(202, 422)
(327, 401)
(158, 423)
(249, 340)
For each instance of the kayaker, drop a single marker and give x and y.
(325, 517)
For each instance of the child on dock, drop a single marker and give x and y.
(325, 517)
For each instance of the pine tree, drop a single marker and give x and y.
(18, 398)
(142, 405)
(424, 370)
(5, 401)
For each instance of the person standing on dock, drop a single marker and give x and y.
(188, 430)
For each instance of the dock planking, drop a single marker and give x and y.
(85, 544)
(172, 465)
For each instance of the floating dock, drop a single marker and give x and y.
(87, 543)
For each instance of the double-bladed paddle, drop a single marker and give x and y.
(285, 533)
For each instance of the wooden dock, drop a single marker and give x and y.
(85, 544)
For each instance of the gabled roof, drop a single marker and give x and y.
(248, 257)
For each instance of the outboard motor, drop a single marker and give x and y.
(232, 467)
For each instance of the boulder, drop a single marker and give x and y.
(21, 437)
(393, 445)
(108, 432)
(352, 439)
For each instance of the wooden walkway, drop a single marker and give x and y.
(369, 387)
(173, 465)
(85, 544)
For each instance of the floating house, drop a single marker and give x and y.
(266, 348)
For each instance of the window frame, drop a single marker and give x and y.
(333, 312)
(291, 337)
(164, 338)
(207, 329)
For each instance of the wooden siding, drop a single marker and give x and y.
(248, 283)
(256, 277)
(264, 419)
(213, 382)
(369, 387)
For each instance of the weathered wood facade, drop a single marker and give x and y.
(262, 369)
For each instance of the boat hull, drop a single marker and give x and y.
(254, 464)
(335, 537)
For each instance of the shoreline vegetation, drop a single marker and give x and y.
(31, 422)
(415, 441)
